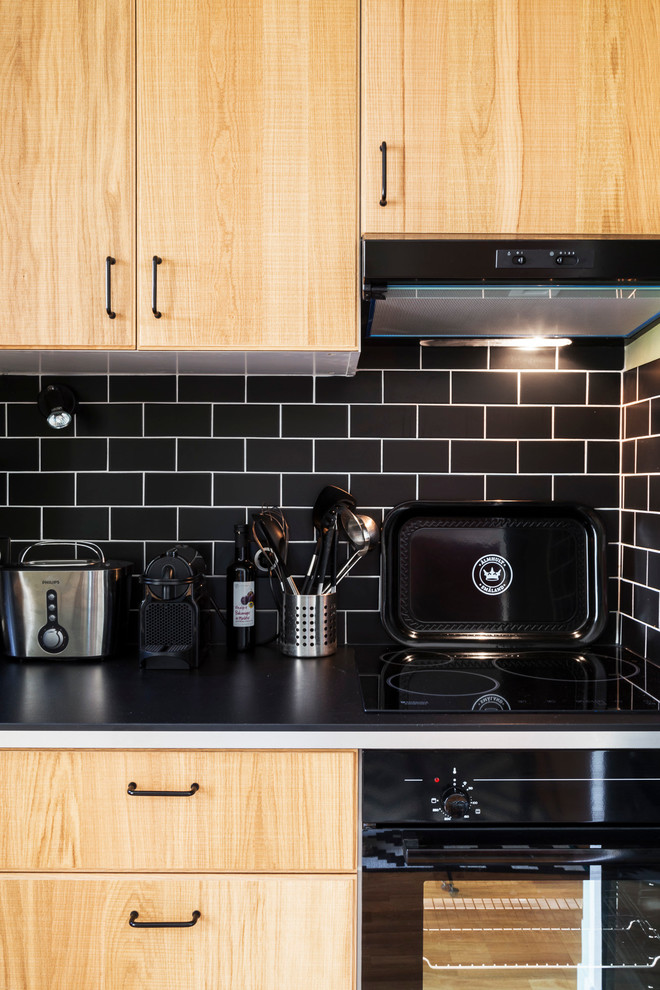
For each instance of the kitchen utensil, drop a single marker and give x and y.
(170, 612)
(362, 531)
(271, 533)
(329, 535)
(309, 625)
(329, 498)
(64, 609)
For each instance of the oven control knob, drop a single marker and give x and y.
(455, 802)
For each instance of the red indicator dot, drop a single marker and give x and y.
(437, 780)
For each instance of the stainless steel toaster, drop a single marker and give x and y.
(64, 609)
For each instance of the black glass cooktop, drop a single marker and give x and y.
(600, 679)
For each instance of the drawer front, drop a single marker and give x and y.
(262, 811)
(253, 933)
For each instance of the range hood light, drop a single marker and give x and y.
(525, 343)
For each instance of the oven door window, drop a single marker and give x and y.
(545, 934)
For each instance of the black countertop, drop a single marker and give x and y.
(265, 691)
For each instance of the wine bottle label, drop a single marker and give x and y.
(243, 612)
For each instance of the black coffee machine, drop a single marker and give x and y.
(170, 611)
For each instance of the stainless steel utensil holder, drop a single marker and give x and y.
(309, 625)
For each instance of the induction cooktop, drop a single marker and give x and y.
(597, 679)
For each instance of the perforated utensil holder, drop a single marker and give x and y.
(309, 625)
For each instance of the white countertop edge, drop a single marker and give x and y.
(518, 739)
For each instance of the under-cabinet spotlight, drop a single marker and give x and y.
(58, 404)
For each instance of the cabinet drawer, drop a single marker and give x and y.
(60, 931)
(253, 811)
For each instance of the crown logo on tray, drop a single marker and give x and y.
(492, 574)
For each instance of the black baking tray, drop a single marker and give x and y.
(493, 574)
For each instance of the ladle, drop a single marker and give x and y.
(362, 531)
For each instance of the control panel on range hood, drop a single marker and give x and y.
(505, 290)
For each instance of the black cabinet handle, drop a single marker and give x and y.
(154, 286)
(196, 915)
(132, 790)
(109, 262)
(383, 181)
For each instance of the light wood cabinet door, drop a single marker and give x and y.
(253, 933)
(511, 116)
(247, 174)
(267, 811)
(67, 183)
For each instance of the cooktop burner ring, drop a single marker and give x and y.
(462, 675)
(624, 668)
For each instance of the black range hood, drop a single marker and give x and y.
(450, 290)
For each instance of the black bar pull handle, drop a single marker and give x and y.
(133, 792)
(156, 261)
(449, 858)
(109, 262)
(196, 915)
(383, 180)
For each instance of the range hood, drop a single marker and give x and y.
(450, 290)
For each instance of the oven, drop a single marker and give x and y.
(511, 870)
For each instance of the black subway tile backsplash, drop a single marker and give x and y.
(416, 456)
(81, 523)
(636, 420)
(177, 488)
(603, 457)
(99, 488)
(552, 457)
(253, 420)
(142, 388)
(280, 455)
(590, 423)
(452, 487)
(511, 422)
(37, 489)
(383, 421)
(416, 387)
(489, 456)
(241, 488)
(116, 419)
(604, 388)
(648, 380)
(314, 421)
(278, 388)
(347, 455)
(20, 455)
(214, 454)
(552, 388)
(74, 454)
(485, 387)
(451, 421)
(210, 388)
(142, 454)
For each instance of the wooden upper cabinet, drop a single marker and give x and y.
(67, 186)
(511, 116)
(247, 172)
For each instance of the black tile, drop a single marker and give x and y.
(483, 455)
(454, 357)
(110, 420)
(647, 530)
(20, 523)
(144, 524)
(634, 565)
(485, 387)
(416, 386)
(177, 419)
(3, 489)
(519, 486)
(599, 491)
(452, 487)
(209, 454)
(604, 388)
(655, 416)
(358, 593)
(590, 422)
(126, 550)
(635, 492)
(648, 455)
(363, 628)
(142, 455)
(211, 388)
(74, 454)
(19, 388)
(25, 420)
(39, 489)
(451, 421)
(246, 489)
(86, 388)
(383, 489)
(551, 456)
(315, 421)
(645, 605)
(553, 388)
(605, 357)
(653, 578)
(280, 455)
(648, 380)
(302, 489)
(630, 385)
(19, 455)
(419, 456)
(142, 388)
(176, 488)
(389, 356)
(633, 635)
(628, 456)
(636, 420)
(603, 457)
(625, 598)
(252, 420)
(109, 489)
(517, 358)
(77, 523)
(365, 386)
(654, 493)
(280, 388)
(383, 421)
(347, 455)
(199, 523)
(517, 422)
(628, 527)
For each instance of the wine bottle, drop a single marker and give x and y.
(241, 594)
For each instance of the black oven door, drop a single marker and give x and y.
(511, 912)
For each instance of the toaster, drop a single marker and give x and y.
(64, 609)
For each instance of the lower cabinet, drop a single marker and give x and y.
(64, 931)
